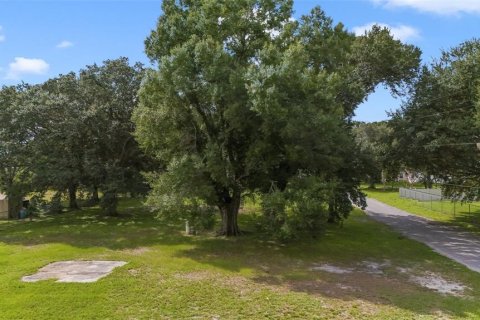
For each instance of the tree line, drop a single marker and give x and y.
(436, 130)
(244, 101)
(72, 131)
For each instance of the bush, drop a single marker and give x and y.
(177, 196)
(300, 209)
(172, 208)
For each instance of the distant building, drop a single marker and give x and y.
(410, 176)
(3, 206)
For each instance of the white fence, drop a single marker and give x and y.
(421, 194)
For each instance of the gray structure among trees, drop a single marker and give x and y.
(3, 206)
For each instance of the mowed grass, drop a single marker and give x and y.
(457, 214)
(172, 276)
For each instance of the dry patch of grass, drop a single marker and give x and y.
(137, 251)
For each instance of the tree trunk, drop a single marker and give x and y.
(95, 198)
(14, 206)
(332, 214)
(428, 182)
(229, 211)
(72, 197)
(109, 203)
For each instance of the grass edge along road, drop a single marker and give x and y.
(172, 276)
(462, 218)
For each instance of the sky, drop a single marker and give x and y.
(41, 39)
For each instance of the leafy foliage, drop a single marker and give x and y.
(435, 132)
(16, 138)
(112, 157)
(374, 142)
(301, 208)
(72, 132)
(248, 100)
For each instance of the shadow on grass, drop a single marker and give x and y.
(270, 264)
(290, 267)
(86, 228)
(469, 221)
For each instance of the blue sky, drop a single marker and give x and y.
(41, 39)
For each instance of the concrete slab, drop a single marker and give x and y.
(75, 271)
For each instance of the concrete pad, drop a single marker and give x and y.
(75, 271)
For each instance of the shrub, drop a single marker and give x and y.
(300, 209)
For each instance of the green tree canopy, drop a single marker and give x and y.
(248, 100)
(73, 131)
(60, 139)
(16, 137)
(374, 141)
(436, 131)
(112, 158)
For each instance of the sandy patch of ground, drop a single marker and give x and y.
(403, 270)
(427, 280)
(374, 267)
(134, 272)
(195, 275)
(366, 266)
(331, 269)
(437, 283)
(137, 251)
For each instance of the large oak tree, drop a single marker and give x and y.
(247, 99)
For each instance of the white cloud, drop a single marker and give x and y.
(2, 36)
(22, 66)
(444, 7)
(400, 32)
(65, 44)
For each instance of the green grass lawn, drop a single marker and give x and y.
(172, 276)
(457, 214)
